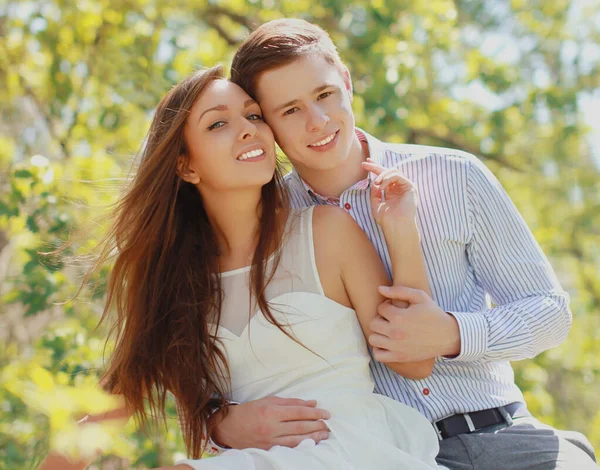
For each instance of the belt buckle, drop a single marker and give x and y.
(469, 421)
(506, 415)
(438, 431)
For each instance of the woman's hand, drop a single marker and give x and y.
(393, 196)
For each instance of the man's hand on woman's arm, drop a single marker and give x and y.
(418, 332)
(269, 422)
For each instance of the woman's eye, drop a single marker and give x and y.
(255, 117)
(324, 95)
(290, 111)
(216, 125)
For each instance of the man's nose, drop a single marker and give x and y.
(317, 119)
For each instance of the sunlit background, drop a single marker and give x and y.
(513, 82)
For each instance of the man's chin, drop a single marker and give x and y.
(324, 164)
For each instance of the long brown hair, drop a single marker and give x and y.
(164, 287)
(278, 43)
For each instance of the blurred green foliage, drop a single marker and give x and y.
(504, 80)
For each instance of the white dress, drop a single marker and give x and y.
(368, 431)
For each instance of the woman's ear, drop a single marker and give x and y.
(185, 172)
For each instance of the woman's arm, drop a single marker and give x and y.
(341, 244)
(56, 461)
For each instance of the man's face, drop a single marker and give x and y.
(307, 103)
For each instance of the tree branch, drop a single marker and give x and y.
(456, 143)
(45, 116)
(86, 80)
(250, 23)
(589, 283)
(213, 22)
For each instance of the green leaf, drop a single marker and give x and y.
(22, 173)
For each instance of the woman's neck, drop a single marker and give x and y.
(235, 218)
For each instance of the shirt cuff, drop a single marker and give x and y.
(473, 330)
(211, 448)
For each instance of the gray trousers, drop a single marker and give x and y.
(527, 444)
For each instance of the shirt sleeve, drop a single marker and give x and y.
(211, 448)
(530, 309)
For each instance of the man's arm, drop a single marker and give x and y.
(532, 311)
(270, 421)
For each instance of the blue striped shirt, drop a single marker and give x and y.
(484, 266)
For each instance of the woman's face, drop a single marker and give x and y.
(230, 145)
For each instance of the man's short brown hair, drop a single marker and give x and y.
(278, 43)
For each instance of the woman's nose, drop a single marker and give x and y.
(249, 130)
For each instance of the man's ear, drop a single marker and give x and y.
(347, 81)
(185, 172)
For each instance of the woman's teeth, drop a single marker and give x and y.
(324, 141)
(251, 154)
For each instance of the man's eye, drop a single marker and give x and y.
(290, 111)
(216, 125)
(255, 117)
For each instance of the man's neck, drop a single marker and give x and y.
(333, 182)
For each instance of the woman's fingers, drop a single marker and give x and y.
(392, 176)
(373, 167)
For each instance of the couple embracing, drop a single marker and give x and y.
(337, 317)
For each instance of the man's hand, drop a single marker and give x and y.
(271, 421)
(418, 332)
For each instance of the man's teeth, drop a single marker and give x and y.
(324, 141)
(251, 154)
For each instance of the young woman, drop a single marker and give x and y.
(221, 292)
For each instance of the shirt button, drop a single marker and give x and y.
(347, 206)
(426, 391)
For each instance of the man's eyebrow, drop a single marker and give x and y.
(316, 90)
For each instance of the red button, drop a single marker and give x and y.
(347, 206)
(426, 391)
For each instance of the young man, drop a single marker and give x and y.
(476, 246)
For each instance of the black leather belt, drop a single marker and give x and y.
(465, 423)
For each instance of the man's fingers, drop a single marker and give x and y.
(412, 296)
(389, 311)
(298, 428)
(303, 413)
(379, 325)
(294, 402)
(380, 341)
(383, 355)
(293, 441)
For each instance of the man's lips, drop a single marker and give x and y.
(325, 140)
